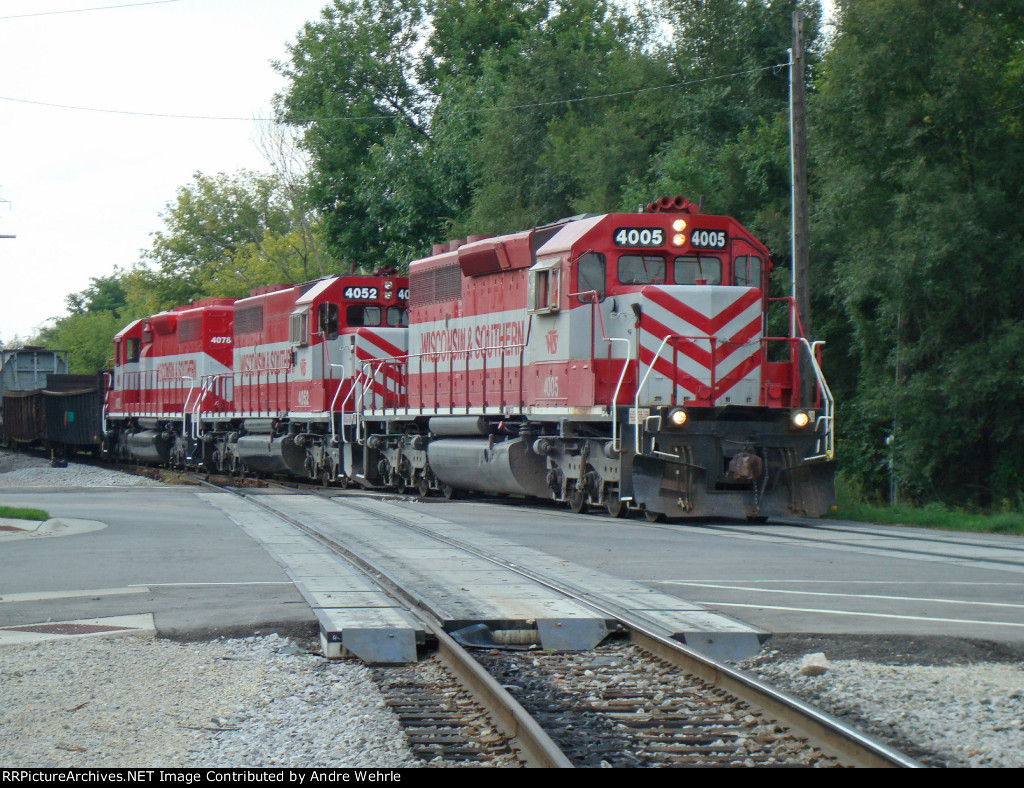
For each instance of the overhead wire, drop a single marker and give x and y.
(478, 110)
(83, 10)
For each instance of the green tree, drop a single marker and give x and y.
(729, 139)
(546, 145)
(224, 235)
(88, 338)
(353, 90)
(104, 294)
(919, 192)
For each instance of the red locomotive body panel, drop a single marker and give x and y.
(577, 315)
(296, 348)
(165, 363)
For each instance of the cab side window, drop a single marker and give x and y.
(327, 320)
(133, 349)
(542, 286)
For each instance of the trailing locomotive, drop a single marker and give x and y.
(254, 385)
(616, 360)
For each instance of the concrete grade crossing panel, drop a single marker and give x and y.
(355, 617)
(456, 587)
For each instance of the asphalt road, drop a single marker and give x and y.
(165, 551)
(817, 577)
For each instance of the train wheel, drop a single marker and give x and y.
(423, 487)
(614, 504)
(654, 517)
(578, 500)
(326, 477)
(449, 492)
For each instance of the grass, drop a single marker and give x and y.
(852, 506)
(9, 512)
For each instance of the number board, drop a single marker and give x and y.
(403, 294)
(361, 293)
(708, 239)
(639, 236)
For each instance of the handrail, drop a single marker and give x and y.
(640, 387)
(616, 441)
(826, 444)
(197, 409)
(378, 365)
(184, 405)
(334, 401)
(103, 400)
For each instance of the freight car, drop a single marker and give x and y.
(64, 417)
(620, 361)
(22, 370)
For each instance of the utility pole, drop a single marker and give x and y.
(798, 154)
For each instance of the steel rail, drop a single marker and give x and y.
(849, 745)
(535, 747)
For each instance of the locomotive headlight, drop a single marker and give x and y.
(677, 417)
(800, 419)
(679, 225)
(679, 239)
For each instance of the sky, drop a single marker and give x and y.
(83, 190)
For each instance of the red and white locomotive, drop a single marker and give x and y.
(617, 360)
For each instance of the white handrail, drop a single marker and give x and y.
(826, 444)
(184, 405)
(334, 401)
(639, 388)
(616, 442)
(197, 409)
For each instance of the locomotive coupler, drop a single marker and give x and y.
(746, 467)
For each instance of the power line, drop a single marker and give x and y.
(299, 121)
(82, 10)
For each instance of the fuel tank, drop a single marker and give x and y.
(269, 454)
(509, 467)
(150, 446)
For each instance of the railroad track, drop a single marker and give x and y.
(640, 700)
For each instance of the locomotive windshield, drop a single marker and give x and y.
(641, 269)
(590, 275)
(397, 316)
(690, 269)
(747, 270)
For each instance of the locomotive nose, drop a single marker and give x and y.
(704, 342)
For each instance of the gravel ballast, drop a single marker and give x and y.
(26, 470)
(949, 715)
(134, 702)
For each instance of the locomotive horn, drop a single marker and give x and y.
(652, 207)
(665, 203)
